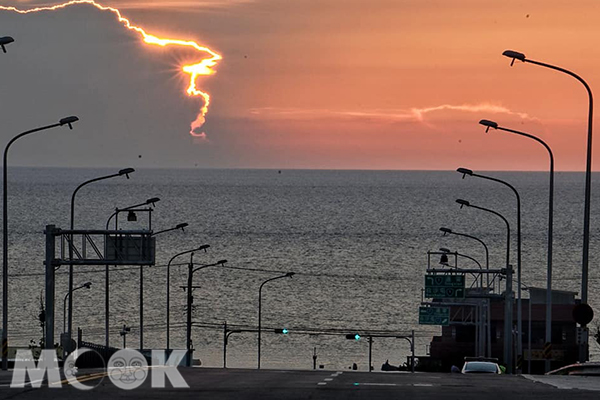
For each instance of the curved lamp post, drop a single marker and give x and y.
(152, 201)
(491, 124)
(203, 247)
(444, 260)
(190, 300)
(508, 309)
(448, 251)
(487, 254)
(514, 55)
(122, 172)
(4, 41)
(480, 327)
(64, 121)
(288, 275)
(448, 231)
(177, 227)
(469, 172)
(86, 285)
(181, 226)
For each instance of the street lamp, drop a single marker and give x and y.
(4, 41)
(4, 348)
(190, 300)
(508, 295)
(178, 226)
(444, 261)
(448, 251)
(151, 201)
(203, 247)
(448, 231)
(288, 275)
(122, 172)
(86, 285)
(491, 124)
(469, 172)
(583, 349)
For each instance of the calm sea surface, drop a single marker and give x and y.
(357, 240)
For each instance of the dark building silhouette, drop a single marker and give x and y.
(458, 340)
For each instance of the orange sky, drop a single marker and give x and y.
(312, 83)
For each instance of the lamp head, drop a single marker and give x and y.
(446, 230)
(488, 124)
(203, 247)
(126, 172)
(222, 262)
(515, 55)
(68, 121)
(290, 274)
(463, 203)
(131, 216)
(152, 201)
(87, 285)
(4, 41)
(181, 226)
(465, 172)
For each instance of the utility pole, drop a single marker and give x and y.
(370, 352)
(50, 248)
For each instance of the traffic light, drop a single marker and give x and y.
(354, 336)
(284, 331)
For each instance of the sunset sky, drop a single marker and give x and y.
(350, 84)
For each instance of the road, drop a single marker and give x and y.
(206, 383)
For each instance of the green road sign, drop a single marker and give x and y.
(434, 316)
(444, 286)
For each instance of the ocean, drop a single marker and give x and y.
(356, 240)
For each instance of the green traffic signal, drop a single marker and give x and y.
(355, 336)
(283, 331)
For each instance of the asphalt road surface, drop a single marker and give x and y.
(205, 383)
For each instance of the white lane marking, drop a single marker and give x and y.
(392, 384)
(334, 375)
(375, 384)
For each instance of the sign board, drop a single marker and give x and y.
(434, 316)
(135, 250)
(538, 355)
(444, 286)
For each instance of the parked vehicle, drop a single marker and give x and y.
(481, 366)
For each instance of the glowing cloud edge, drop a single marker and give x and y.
(202, 68)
